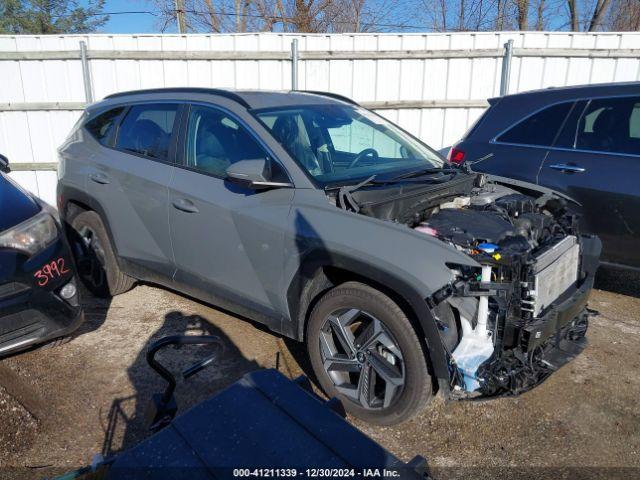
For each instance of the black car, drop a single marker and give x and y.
(38, 293)
(581, 141)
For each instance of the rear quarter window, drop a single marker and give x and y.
(102, 126)
(539, 129)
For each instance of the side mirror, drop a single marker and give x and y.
(4, 164)
(254, 174)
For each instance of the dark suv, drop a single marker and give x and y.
(582, 141)
(38, 293)
(333, 226)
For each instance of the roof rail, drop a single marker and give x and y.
(336, 96)
(212, 91)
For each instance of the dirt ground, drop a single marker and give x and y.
(60, 406)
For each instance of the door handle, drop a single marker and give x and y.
(100, 178)
(185, 205)
(567, 168)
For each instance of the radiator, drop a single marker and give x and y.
(556, 271)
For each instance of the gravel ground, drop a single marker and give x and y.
(61, 406)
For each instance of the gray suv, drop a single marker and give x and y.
(303, 211)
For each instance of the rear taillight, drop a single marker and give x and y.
(456, 155)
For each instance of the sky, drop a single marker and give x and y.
(149, 23)
(131, 23)
(145, 22)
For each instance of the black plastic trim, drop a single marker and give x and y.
(335, 96)
(210, 91)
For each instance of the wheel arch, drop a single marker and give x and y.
(319, 273)
(74, 201)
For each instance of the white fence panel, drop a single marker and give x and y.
(434, 85)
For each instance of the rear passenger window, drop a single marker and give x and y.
(146, 130)
(215, 141)
(103, 125)
(610, 125)
(538, 129)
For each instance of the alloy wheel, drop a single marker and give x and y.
(90, 258)
(362, 358)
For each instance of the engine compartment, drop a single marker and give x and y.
(467, 211)
(499, 314)
(514, 223)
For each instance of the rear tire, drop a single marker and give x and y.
(97, 265)
(393, 352)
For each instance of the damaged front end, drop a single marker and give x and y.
(524, 313)
(509, 324)
(522, 317)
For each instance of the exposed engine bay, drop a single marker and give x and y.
(507, 325)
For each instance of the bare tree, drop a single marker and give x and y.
(587, 15)
(443, 14)
(341, 16)
(436, 12)
(305, 16)
(522, 7)
(599, 14)
(500, 14)
(207, 15)
(540, 16)
(462, 15)
(461, 12)
(574, 17)
(624, 16)
(360, 16)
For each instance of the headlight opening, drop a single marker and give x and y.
(32, 235)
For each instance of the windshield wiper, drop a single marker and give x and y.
(346, 200)
(423, 171)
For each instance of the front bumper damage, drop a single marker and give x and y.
(33, 308)
(524, 352)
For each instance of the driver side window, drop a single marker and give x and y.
(215, 141)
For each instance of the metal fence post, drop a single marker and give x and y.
(506, 68)
(294, 64)
(86, 73)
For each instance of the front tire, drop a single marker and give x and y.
(95, 259)
(364, 350)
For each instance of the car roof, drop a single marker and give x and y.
(252, 99)
(579, 91)
(506, 111)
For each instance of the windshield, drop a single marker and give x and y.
(339, 144)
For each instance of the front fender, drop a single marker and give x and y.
(410, 263)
